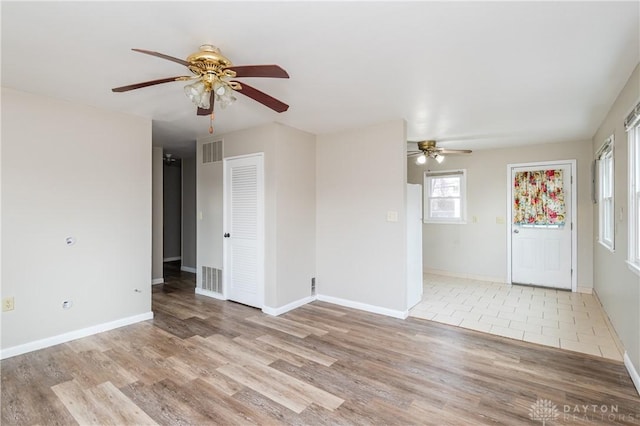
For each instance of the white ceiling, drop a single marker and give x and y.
(468, 74)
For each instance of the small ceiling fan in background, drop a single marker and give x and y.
(428, 149)
(170, 160)
(213, 74)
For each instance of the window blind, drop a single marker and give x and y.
(633, 118)
(605, 149)
(449, 173)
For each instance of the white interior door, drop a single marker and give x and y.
(541, 228)
(244, 230)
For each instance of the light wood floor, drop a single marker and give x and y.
(201, 361)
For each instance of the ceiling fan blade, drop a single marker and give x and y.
(454, 151)
(163, 56)
(262, 97)
(149, 83)
(273, 71)
(209, 111)
(413, 154)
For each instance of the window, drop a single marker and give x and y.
(632, 124)
(445, 196)
(605, 194)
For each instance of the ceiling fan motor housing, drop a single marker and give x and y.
(210, 64)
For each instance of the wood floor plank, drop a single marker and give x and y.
(275, 391)
(120, 409)
(228, 351)
(290, 327)
(257, 346)
(312, 393)
(90, 368)
(312, 322)
(81, 407)
(298, 350)
(166, 403)
(225, 409)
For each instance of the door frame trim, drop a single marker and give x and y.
(261, 225)
(574, 215)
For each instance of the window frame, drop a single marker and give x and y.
(428, 177)
(632, 125)
(605, 160)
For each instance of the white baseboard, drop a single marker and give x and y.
(635, 377)
(501, 280)
(210, 294)
(171, 259)
(155, 281)
(73, 335)
(188, 269)
(584, 290)
(364, 307)
(288, 307)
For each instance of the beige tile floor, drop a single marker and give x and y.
(557, 318)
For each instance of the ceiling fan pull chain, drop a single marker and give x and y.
(211, 124)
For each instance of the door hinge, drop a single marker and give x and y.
(572, 226)
(572, 179)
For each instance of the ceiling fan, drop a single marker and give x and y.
(213, 74)
(169, 159)
(428, 149)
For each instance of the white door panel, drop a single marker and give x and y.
(542, 254)
(243, 223)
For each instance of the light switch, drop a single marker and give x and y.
(392, 216)
(500, 220)
(8, 304)
(200, 215)
(474, 219)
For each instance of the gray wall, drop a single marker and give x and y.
(172, 211)
(189, 214)
(361, 175)
(157, 221)
(296, 214)
(63, 175)
(616, 285)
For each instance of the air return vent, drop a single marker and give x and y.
(212, 279)
(212, 152)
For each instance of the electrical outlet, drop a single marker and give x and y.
(8, 304)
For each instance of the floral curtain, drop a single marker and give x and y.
(538, 198)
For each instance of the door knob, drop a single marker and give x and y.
(516, 231)
(227, 235)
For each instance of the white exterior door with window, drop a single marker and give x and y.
(541, 240)
(243, 273)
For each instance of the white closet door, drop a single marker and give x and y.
(244, 229)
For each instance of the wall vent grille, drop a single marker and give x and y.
(212, 152)
(212, 279)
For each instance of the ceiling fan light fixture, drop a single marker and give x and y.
(439, 158)
(198, 94)
(421, 159)
(224, 93)
(220, 88)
